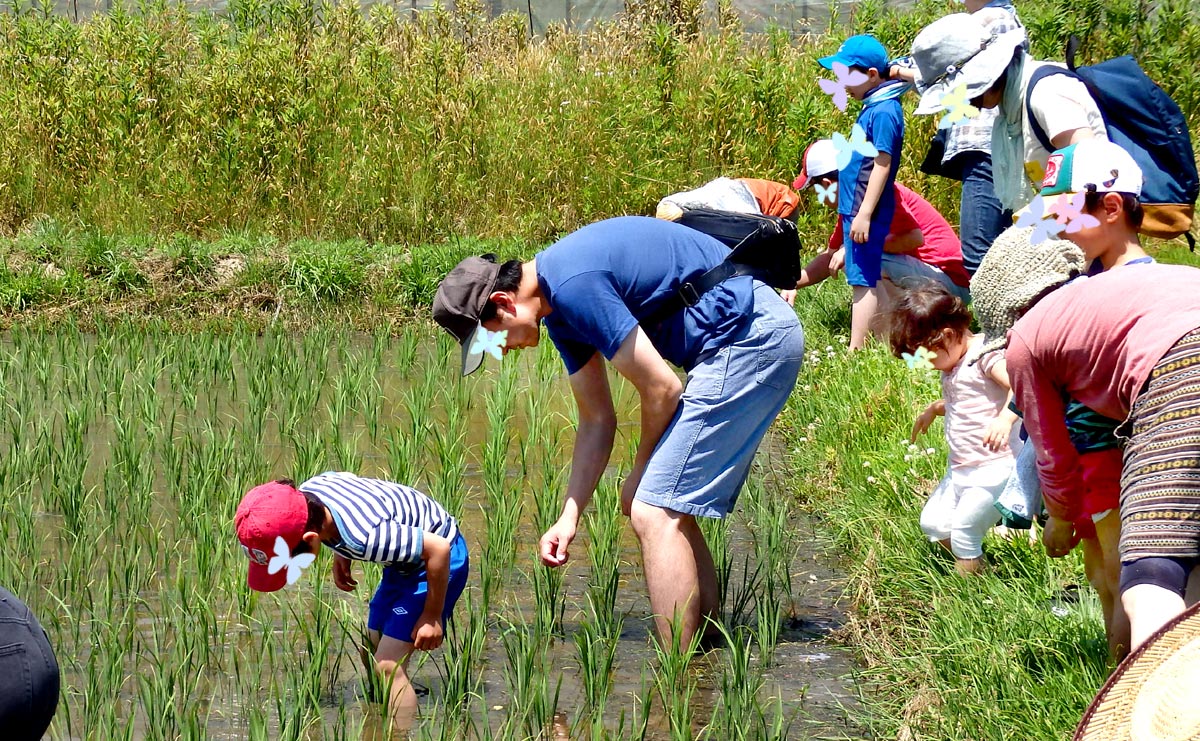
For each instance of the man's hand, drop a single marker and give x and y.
(925, 418)
(837, 261)
(789, 295)
(860, 228)
(556, 540)
(427, 633)
(1058, 537)
(342, 578)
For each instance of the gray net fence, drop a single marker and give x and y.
(796, 16)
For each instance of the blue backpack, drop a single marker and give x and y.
(1144, 121)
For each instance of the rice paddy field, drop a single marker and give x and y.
(219, 238)
(129, 445)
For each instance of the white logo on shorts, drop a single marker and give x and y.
(400, 611)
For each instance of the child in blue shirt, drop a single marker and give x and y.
(866, 199)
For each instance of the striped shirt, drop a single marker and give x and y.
(380, 521)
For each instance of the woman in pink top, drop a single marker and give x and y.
(931, 322)
(1126, 344)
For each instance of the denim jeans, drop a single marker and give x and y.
(731, 398)
(981, 218)
(28, 672)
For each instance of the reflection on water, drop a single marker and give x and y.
(126, 452)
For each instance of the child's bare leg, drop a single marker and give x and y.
(968, 566)
(391, 661)
(1107, 581)
(862, 314)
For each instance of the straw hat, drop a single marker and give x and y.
(1013, 273)
(1154, 695)
(958, 49)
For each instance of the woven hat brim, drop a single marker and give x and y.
(1110, 715)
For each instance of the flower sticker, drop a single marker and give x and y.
(846, 148)
(958, 108)
(488, 342)
(1070, 212)
(826, 193)
(836, 89)
(919, 359)
(283, 559)
(1045, 226)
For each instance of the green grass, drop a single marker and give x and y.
(943, 656)
(311, 120)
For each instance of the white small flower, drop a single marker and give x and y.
(907, 457)
(803, 440)
(930, 451)
(812, 426)
(866, 464)
(870, 479)
(829, 348)
(807, 388)
(913, 447)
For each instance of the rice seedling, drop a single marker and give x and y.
(534, 700)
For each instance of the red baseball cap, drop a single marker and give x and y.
(268, 512)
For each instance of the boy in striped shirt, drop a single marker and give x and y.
(362, 519)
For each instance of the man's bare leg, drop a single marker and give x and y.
(672, 566)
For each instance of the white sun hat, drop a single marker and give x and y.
(958, 50)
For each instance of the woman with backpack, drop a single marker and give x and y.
(996, 72)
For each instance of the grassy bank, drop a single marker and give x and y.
(1015, 654)
(315, 121)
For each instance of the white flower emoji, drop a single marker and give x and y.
(283, 558)
(489, 342)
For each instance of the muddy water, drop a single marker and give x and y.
(810, 675)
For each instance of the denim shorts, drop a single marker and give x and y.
(29, 678)
(400, 598)
(731, 398)
(906, 271)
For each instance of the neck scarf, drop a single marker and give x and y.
(889, 90)
(1008, 143)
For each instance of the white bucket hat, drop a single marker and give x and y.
(959, 50)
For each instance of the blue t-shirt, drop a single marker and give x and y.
(602, 279)
(883, 122)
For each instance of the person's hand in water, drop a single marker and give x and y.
(556, 541)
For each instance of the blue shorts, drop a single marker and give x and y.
(400, 598)
(864, 262)
(731, 398)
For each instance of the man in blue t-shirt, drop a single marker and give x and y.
(740, 344)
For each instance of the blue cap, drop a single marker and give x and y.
(863, 51)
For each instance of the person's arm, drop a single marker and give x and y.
(1057, 460)
(428, 630)
(901, 244)
(1071, 136)
(860, 227)
(593, 446)
(658, 389)
(343, 576)
(926, 417)
(1000, 429)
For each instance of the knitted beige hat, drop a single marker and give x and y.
(1013, 273)
(1152, 694)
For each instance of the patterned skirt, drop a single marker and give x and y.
(1160, 484)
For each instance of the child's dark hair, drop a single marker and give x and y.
(509, 279)
(316, 515)
(1129, 203)
(926, 316)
